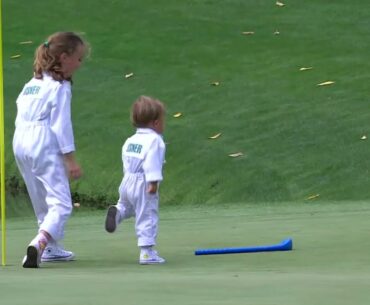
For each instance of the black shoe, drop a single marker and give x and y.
(111, 219)
(32, 259)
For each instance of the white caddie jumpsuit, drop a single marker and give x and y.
(143, 157)
(43, 133)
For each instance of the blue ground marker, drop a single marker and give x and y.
(285, 245)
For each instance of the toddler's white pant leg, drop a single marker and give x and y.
(146, 217)
(124, 206)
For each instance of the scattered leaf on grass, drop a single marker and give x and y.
(215, 83)
(326, 83)
(248, 33)
(217, 135)
(305, 68)
(363, 137)
(15, 56)
(278, 3)
(129, 75)
(177, 115)
(235, 155)
(313, 197)
(26, 42)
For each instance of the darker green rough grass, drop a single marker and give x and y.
(298, 139)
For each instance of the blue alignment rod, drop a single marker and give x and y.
(285, 245)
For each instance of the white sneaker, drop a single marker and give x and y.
(150, 257)
(111, 220)
(56, 254)
(32, 258)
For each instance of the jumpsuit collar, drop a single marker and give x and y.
(145, 131)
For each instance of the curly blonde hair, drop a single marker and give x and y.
(47, 55)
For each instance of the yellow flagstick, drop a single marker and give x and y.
(2, 143)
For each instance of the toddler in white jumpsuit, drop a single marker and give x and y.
(43, 143)
(143, 157)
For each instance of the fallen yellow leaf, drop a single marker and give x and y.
(313, 197)
(26, 42)
(177, 115)
(326, 83)
(217, 135)
(129, 75)
(234, 155)
(278, 3)
(248, 33)
(15, 56)
(305, 68)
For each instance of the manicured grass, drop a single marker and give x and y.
(328, 266)
(298, 140)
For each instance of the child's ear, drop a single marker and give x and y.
(63, 57)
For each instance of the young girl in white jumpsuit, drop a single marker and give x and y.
(44, 146)
(143, 157)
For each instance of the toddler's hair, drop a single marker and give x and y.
(47, 55)
(145, 110)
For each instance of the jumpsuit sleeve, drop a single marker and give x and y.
(154, 161)
(60, 119)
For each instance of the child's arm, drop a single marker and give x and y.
(152, 165)
(152, 187)
(74, 170)
(60, 119)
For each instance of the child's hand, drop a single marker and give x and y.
(73, 168)
(152, 187)
(74, 171)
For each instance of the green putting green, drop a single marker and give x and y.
(328, 265)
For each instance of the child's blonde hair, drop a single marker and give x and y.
(47, 55)
(145, 110)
